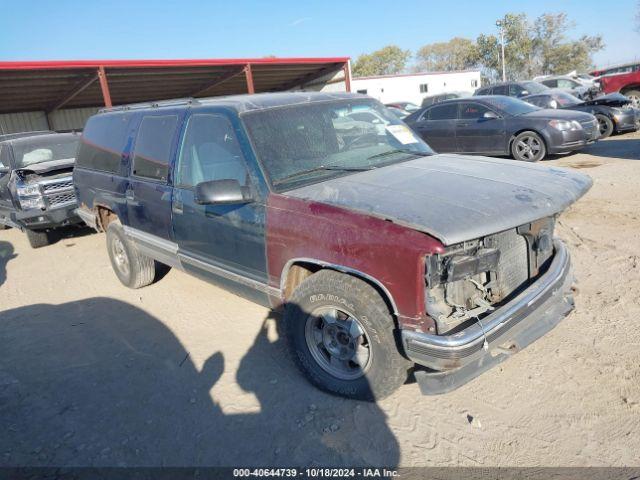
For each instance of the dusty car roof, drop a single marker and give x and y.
(247, 102)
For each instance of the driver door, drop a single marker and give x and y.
(477, 134)
(222, 242)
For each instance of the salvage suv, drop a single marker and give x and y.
(386, 257)
(36, 187)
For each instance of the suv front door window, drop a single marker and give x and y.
(229, 236)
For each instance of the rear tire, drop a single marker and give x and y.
(605, 125)
(132, 268)
(528, 147)
(38, 239)
(342, 337)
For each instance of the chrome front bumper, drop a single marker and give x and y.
(460, 357)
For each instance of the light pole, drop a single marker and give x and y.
(500, 25)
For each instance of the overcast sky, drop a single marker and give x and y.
(62, 29)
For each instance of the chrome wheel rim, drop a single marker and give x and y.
(602, 125)
(338, 343)
(528, 147)
(120, 256)
(635, 100)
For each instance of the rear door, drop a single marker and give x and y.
(149, 192)
(222, 242)
(477, 134)
(437, 127)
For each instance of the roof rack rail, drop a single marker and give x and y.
(156, 104)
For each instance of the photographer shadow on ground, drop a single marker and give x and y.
(99, 382)
(6, 254)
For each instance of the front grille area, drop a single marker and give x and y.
(513, 266)
(57, 186)
(59, 199)
(58, 192)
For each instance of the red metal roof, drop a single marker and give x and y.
(49, 85)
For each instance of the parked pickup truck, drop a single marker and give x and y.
(36, 189)
(384, 255)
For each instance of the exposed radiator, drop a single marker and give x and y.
(513, 266)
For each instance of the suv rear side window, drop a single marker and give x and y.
(153, 146)
(103, 142)
(448, 111)
(210, 151)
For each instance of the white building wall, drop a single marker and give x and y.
(407, 87)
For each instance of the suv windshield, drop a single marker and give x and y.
(44, 149)
(511, 106)
(307, 143)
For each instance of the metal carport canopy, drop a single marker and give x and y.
(52, 85)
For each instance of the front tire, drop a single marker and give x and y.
(342, 337)
(605, 125)
(38, 239)
(132, 268)
(528, 147)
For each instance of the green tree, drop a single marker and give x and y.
(541, 47)
(556, 54)
(386, 61)
(456, 54)
(518, 50)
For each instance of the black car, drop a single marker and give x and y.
(36, 186)
(499, 125)
(609, 110)
(513, 89)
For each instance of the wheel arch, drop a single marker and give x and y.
(633, 86)
(296, 270)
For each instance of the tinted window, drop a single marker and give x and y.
(103, 142)
(515, 90)
(472, 110)
(550, 83)
(210, 151)
(511, 106)
(540, 101)
(500, 90)
(153, 146)
(444, 112)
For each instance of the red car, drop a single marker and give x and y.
(623, 78)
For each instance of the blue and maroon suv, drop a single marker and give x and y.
(384, 255)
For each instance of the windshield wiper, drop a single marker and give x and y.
(397, 150)
(320, 168)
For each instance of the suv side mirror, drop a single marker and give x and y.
(222, 192)
(489, 115)
(523, 93)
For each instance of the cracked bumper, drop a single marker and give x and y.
(460, 357)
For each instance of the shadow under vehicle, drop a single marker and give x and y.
(500, 125)
(36, 187)
(101, 383)
(383, 254)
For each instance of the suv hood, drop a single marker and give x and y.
(454, 198)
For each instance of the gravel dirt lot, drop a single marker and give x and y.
(184, 373)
